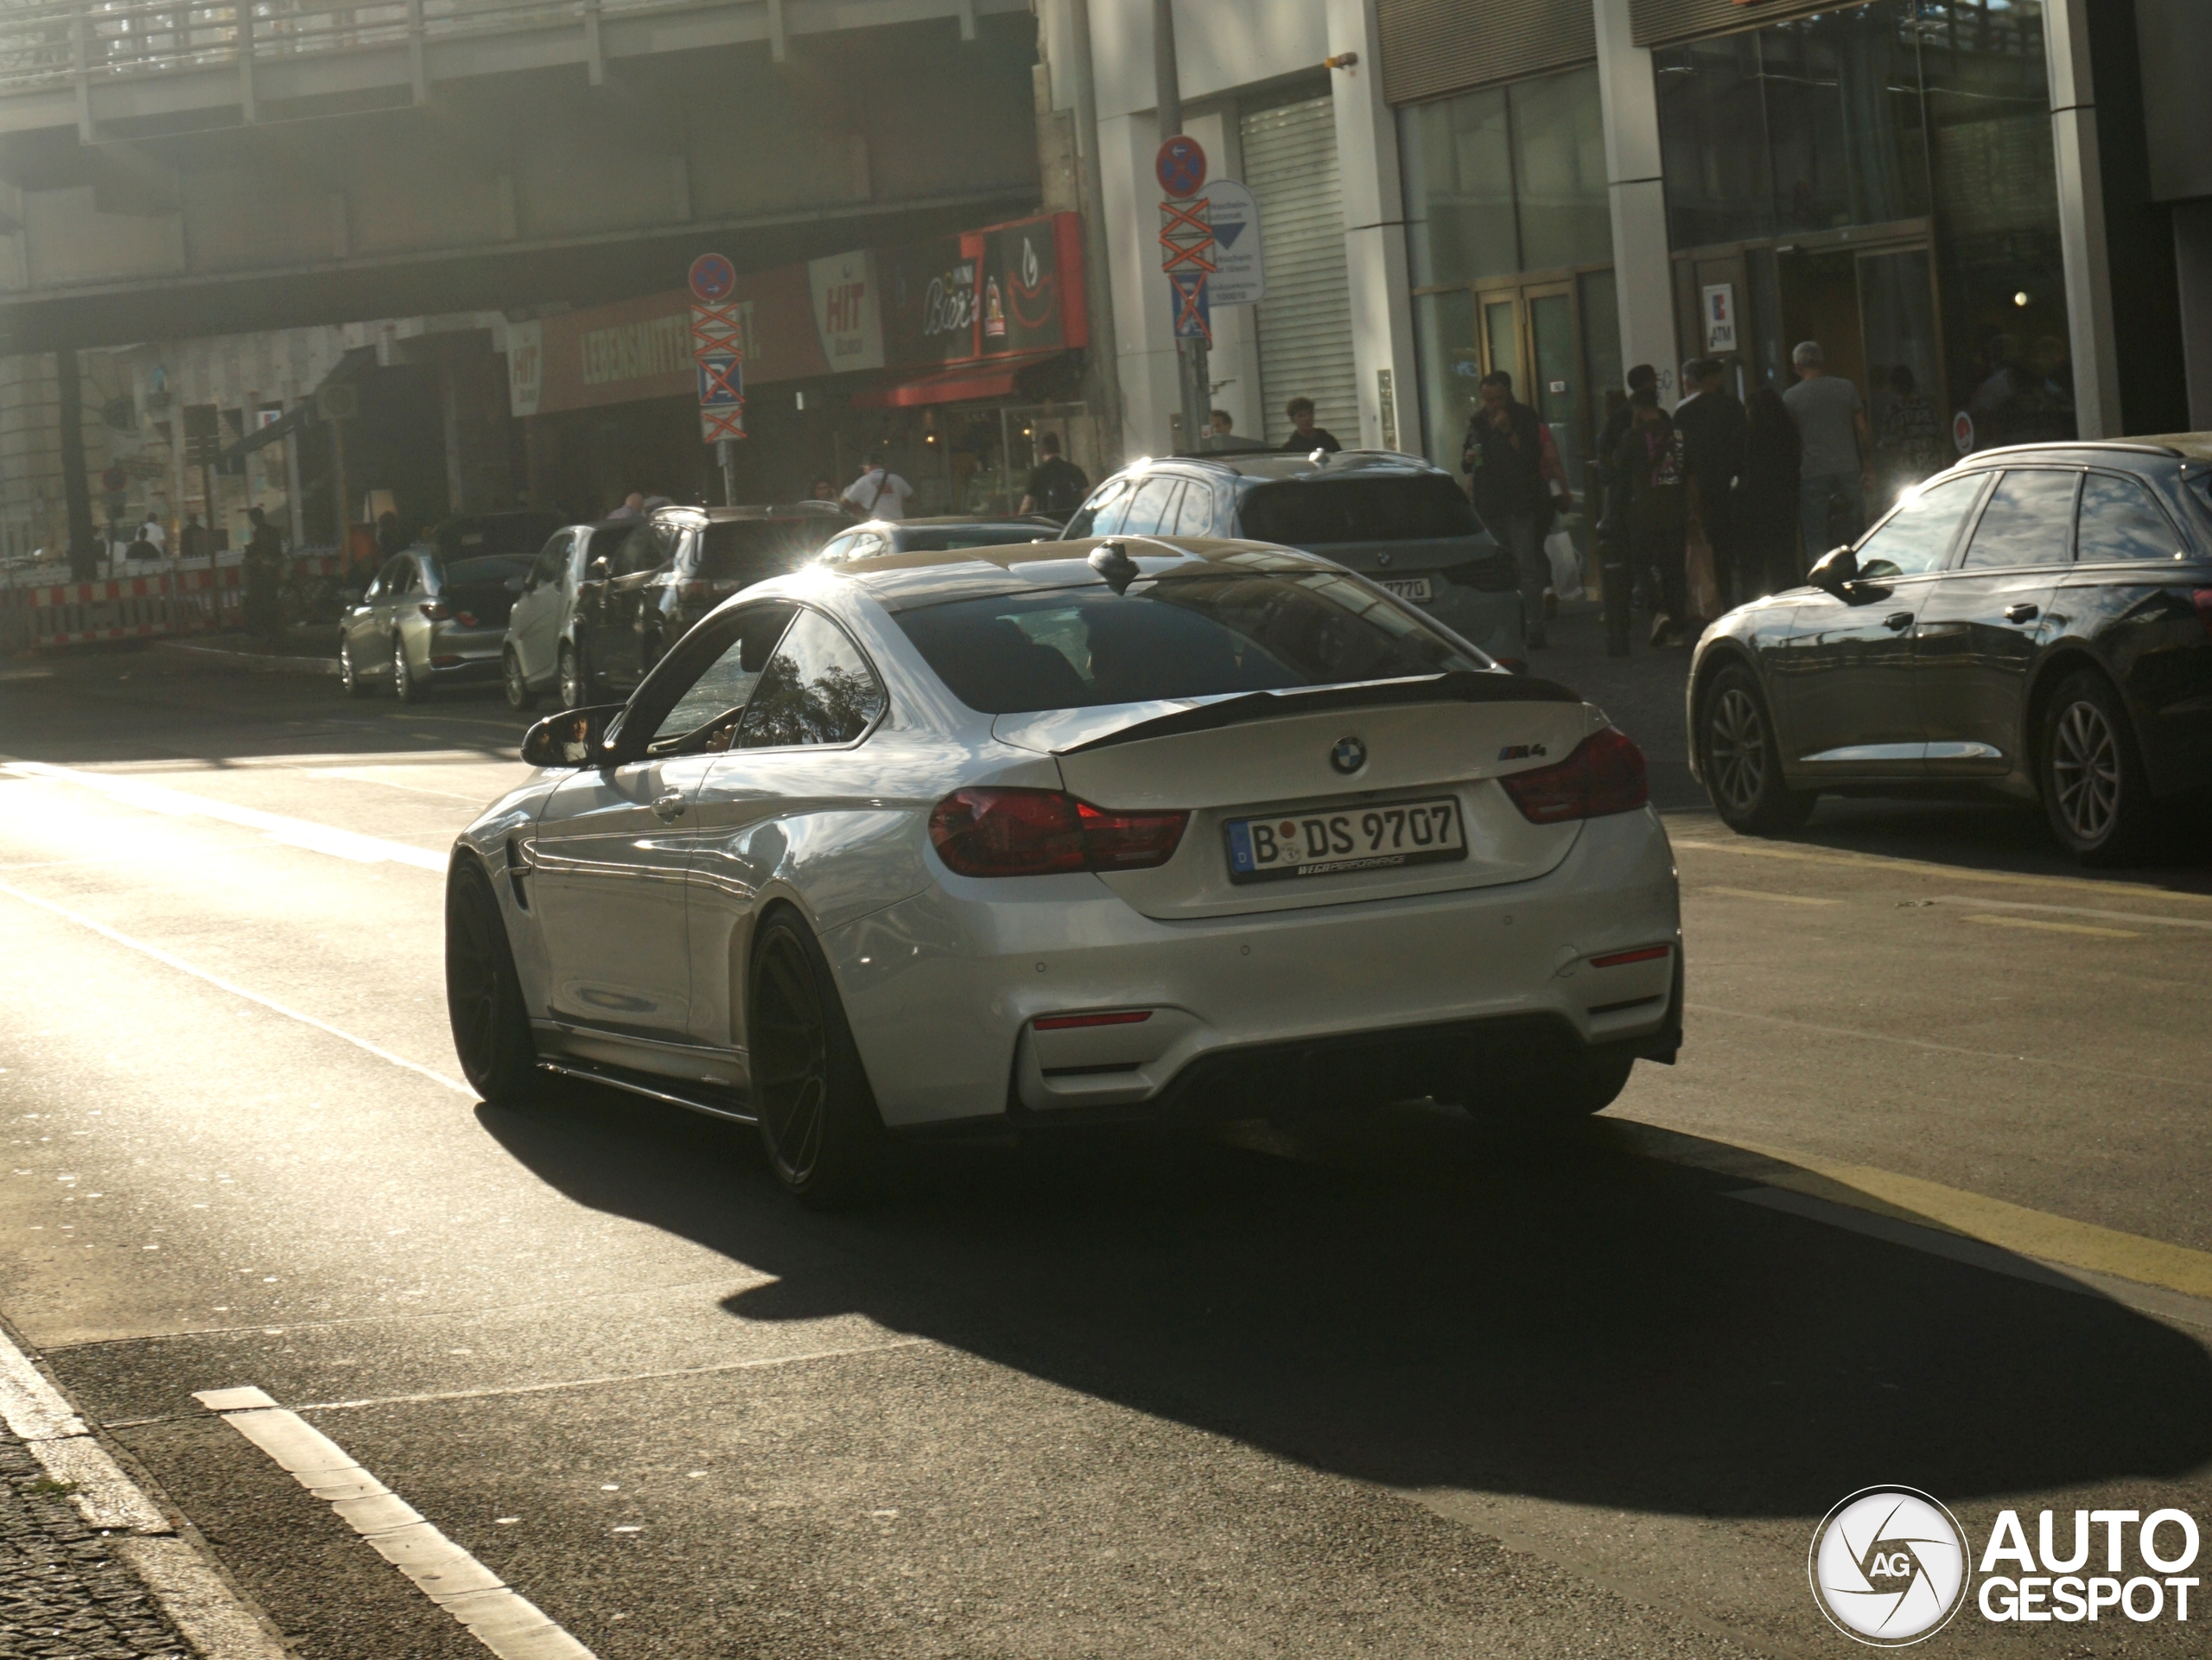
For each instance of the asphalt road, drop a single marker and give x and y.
(1395, 1384)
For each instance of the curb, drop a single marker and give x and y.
(188, 1587)
(255, 662)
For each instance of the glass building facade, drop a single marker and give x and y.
(1879, 178)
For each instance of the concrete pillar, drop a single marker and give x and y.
(2082, 219)
(1643, 273)
(2193, 269)
(1374, 234)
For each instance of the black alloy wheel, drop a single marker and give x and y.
(349, 678)
(484, 1000)
(1741, 761)
(404, 686)
(520, 696)
(2096, 793)
(818, 1123)
(574, 677)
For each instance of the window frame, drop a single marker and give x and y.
(2183, 549)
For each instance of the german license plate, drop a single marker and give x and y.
(1408, 587)
(1380, 838)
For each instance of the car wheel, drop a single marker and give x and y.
(575, 677)
(1741, 761)
(484, 1000)
(348, 677)
(520, 696)
(2090, 775)
(818, 1123)
(404, 686)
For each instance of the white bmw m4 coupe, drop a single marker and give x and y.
(1013, 836)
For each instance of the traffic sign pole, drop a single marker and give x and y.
(1186, 254)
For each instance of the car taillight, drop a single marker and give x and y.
(1043, 832)
(2203, 598)
(1604, 775)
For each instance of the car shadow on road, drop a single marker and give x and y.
(1405, 1298)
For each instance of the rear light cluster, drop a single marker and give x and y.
(1046, 832)
(1604, 775)
(1069, 1022)
(438, 611)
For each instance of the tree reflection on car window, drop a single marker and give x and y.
(818, 689)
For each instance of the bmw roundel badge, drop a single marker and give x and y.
(1349, 756)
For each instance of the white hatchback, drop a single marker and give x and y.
(1022, 835)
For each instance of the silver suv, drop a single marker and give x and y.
(1395, 519)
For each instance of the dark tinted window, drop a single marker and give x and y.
(1304, 515)
(647, 547)
(1177, 637)
(951, 537)
(818, 689)
(2119, 520)
(754, 548)
(464, 572)
(462, 538)
(551, 563)
(2028, 521)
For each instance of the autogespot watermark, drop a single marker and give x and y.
(1891, 1566)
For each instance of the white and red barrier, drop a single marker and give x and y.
(204, 598)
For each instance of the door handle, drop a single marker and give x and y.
(2023, 612)
(669, 807)
(1898, 621)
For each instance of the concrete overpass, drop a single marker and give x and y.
(171, 169)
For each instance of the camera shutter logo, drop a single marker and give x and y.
(1889, 1566)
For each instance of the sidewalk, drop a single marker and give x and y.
(64, 1588)
(306, 648)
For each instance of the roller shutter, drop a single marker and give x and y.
(1305, 323)
(1434, 46)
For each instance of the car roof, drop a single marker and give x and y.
(2187, 445)
(901, 582)
(1276, 465)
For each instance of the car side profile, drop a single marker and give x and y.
(1395, 519)
(995, 839)
(2036, 621)
(588, 618)
(429, 620)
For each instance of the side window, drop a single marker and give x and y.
(2029, 521)
(552, 562)
(1153, 500)
(706, 713)
(2121, 519)
(1194, 514)
(399, 571)
(818, 689)
(641, 550)
(837, 549)
(1918, 535)
(1101, 514)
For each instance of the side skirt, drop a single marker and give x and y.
(714, 1103)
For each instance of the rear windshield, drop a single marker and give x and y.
(1196, 636)
(746, 547)
(1314, 513)
(464, 538)
(463, 572)
(951, 537)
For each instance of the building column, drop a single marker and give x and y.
(1374, 233)
(2082, 220)
(1643, 270)
(2193, 271)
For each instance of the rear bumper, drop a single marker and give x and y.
(942, 989)
(472, 654)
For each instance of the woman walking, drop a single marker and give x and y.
(1766, 498)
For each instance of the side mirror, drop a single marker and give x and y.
(599, 570)
(1833, 571)
(572, 738)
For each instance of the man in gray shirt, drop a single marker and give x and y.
(1831, 427)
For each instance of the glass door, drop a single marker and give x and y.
(1899, 323)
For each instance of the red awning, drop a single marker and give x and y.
(990, 378)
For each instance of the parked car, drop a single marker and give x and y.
(2036, 619)
(1013, 836)
(939, 535)
(721, 550)
(429, 620)
(589, 619)
(1397, 520)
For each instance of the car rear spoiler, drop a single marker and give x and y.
(1459, 686)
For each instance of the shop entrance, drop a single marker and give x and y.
(1533, 332)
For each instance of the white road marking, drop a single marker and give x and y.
(293, 832)
(236, 989)
(500, 1617)
(2082, 911)
(368, 775)
(1760, 893)
(186, 1585)
(2049, 927)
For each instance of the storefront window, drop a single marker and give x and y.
(1559, 171)
(1451, 365)
(1712, 141)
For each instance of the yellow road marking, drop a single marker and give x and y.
(2025, 1232)
(1760, 893)
(2196, 923)
(2054, 927)
(1875, 861)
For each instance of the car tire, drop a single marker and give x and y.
(404, 685)
(483, 1000)
(1587, 1085)
(2095, 791)
(574, 677)
(1742, 762)
(349, 679)
(520, 696)
(819, 1127)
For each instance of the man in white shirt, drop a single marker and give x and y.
(879, 492)
(153, 531)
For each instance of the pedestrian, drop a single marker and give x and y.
(879, 492)
(1909, 445)
(1711, 420)
(1833, 472)
(1766, 498)
(194, 541)
(1056, 487)
(1305, 437)
(634, 506)
(1224, 423)
(264, 578)
(391, 538)
(154, 531)
(1652, 472)
(140, 548)
(825, 489)
(1504, 459)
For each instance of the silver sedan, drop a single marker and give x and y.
(1014, 837)
(425, 621)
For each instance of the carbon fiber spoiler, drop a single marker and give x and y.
(1458, 686)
